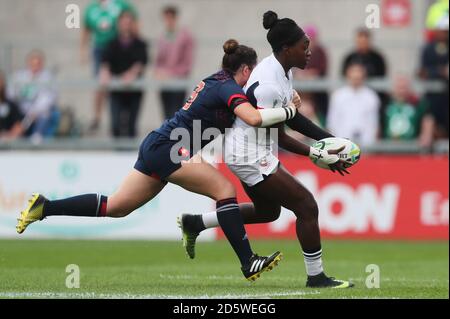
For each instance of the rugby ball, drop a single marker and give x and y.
(350, 154)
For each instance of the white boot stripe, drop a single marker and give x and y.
(254, 265)
(257, 267)
(251, 268)
(261, 265)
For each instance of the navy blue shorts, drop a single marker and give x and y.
(154, 158)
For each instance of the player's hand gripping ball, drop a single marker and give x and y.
(350, 154)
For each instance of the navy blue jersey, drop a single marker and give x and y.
(212, 102)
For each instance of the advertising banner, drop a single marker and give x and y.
(63, 174)
(384, 197)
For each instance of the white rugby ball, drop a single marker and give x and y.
(350, 154)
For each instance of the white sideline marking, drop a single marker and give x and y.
(215, 277)
(89, 295)
(403, 279)
(218, 277)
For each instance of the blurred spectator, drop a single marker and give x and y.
(317, 68)
(174, 60)
(100, 27)
(407, 116)
(125, 58)
(437, 15)
(308, 109)
(354, 109)
(69, 125)
(372, 60)
(10, 115)
(32, 89)
(366, 55)
(318, 64)
(435, 66)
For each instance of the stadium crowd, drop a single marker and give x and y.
(111, 40)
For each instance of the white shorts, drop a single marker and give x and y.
(252, 174)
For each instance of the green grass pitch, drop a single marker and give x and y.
(153, 269)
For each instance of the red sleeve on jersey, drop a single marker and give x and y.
(237, 102)
(236, 96)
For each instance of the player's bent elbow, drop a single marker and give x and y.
(256, 121)
(253, 120)
(247, 113)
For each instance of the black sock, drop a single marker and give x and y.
(194, 223)
(91, 205)
(230, 220)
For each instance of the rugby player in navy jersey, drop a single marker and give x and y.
(163, 158)
(268, 184)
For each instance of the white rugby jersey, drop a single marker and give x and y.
(267, 87)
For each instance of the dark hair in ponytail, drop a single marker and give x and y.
(282, 32)
(270, 18)
(237, 54)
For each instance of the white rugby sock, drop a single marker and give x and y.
(313, 262)
(210, 220)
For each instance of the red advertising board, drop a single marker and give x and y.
(385, 197)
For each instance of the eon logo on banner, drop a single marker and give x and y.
(433, 209)
(344, 208)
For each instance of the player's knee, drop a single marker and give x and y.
(267, 213)
(306, 208)
(273, 215)
(225, 190)
(310, 210)
(118, 213)
(116, 208)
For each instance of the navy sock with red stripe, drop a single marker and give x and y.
(89, 205)
(232, 224)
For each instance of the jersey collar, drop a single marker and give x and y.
(279, 68)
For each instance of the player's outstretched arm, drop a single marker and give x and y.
(306, 127)
(303, 125)
(289, 143)
(264, 117)
(263, 113)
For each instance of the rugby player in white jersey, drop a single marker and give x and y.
(250, 156)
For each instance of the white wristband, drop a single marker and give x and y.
(276, 115)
